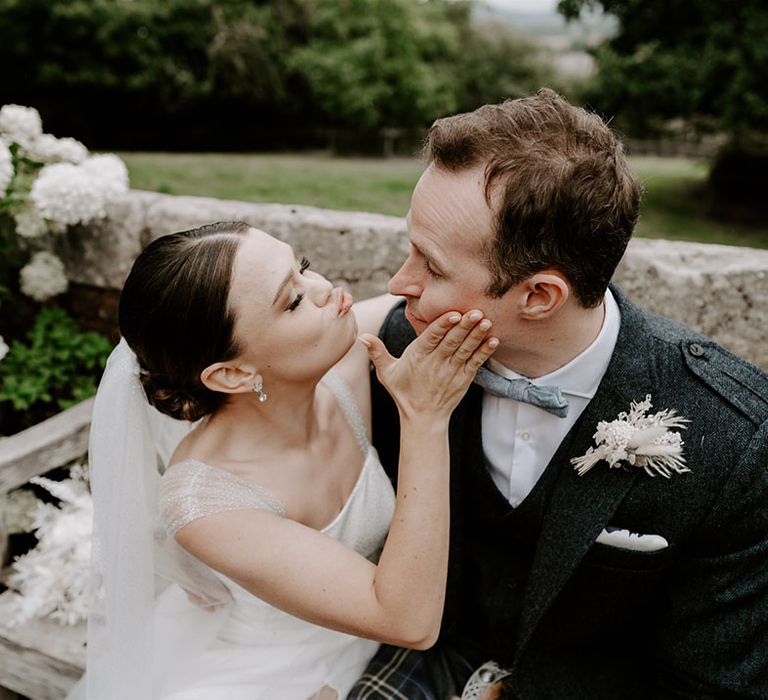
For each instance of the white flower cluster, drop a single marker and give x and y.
(46, 148)
(640, 440)
(65, 194)
(71, 188)
(29, 223)
(108, 174)
(6, 167)
(52, 580)
(21, 125)
(44, 276)
(3, 348)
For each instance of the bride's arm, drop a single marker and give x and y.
(310, 575)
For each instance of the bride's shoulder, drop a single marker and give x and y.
(188, 448)
(370, 313)
(181, 474)
(354, 367)
(191, 489)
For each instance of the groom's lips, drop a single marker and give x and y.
(413, 318)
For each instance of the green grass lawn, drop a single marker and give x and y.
(674, 206)
(354, 184)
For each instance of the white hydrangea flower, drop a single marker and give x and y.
(20, 125)
(109, 172)
(67, 194)
(29, 223)
(3, 348)
(43, 277)
(53, 579)
(46, 148)
(6, 167)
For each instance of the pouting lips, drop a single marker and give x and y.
(344, 301)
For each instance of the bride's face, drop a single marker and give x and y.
(290, 322)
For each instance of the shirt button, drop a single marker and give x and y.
(696, 350)
(525, 436)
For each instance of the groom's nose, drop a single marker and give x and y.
(406, 282)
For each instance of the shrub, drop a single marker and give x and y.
(54, 368)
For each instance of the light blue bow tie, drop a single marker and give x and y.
(547, 398)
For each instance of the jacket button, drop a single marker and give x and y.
(696, 350)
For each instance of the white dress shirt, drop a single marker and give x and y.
(519, 439)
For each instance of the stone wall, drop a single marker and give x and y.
(721, 291)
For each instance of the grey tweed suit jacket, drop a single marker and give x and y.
(687, 621)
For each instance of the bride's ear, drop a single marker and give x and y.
(229, 378)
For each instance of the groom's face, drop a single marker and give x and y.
(449, 224)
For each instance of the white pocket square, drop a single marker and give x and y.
(624, 539)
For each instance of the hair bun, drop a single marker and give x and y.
(181, 405)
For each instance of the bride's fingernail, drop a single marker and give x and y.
(364, 341)
(484, 325)
(475, 316)
(455, 318)
(493, 342)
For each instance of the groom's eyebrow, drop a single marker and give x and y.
(431, 258)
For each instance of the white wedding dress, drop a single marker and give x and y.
(249, 649)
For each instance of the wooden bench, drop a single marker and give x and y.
(40, 660)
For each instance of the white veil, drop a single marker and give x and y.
(132, 558)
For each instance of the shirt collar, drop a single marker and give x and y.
(581, 376)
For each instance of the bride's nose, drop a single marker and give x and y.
(322, 290)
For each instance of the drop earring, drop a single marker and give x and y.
(258, 387)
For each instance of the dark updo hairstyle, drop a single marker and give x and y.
(174, 314)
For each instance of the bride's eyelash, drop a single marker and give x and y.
(303, 265)
(292, 306)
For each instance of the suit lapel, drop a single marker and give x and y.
(580, 507)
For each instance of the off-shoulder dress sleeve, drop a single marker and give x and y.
(190, 490)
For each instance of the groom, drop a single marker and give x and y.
(624, 582)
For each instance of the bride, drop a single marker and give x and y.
(240, 529)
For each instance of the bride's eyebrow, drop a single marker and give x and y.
(287, 279)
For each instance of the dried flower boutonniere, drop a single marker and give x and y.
(640, 440)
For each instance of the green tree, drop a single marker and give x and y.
(496, 63)
(250, 45)
(130, 45)
(238, 73)
(153, 69)
(375, 63)
(701, 62)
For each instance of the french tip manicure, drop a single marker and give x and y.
(455, 318)
(493, 342)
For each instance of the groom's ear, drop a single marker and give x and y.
(543, 294)
(229, 377)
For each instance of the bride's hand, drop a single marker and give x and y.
(437, 368)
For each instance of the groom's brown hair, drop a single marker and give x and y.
(562, 192)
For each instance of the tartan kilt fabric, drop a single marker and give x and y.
(408, 674)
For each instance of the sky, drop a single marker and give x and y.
(524, 5)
